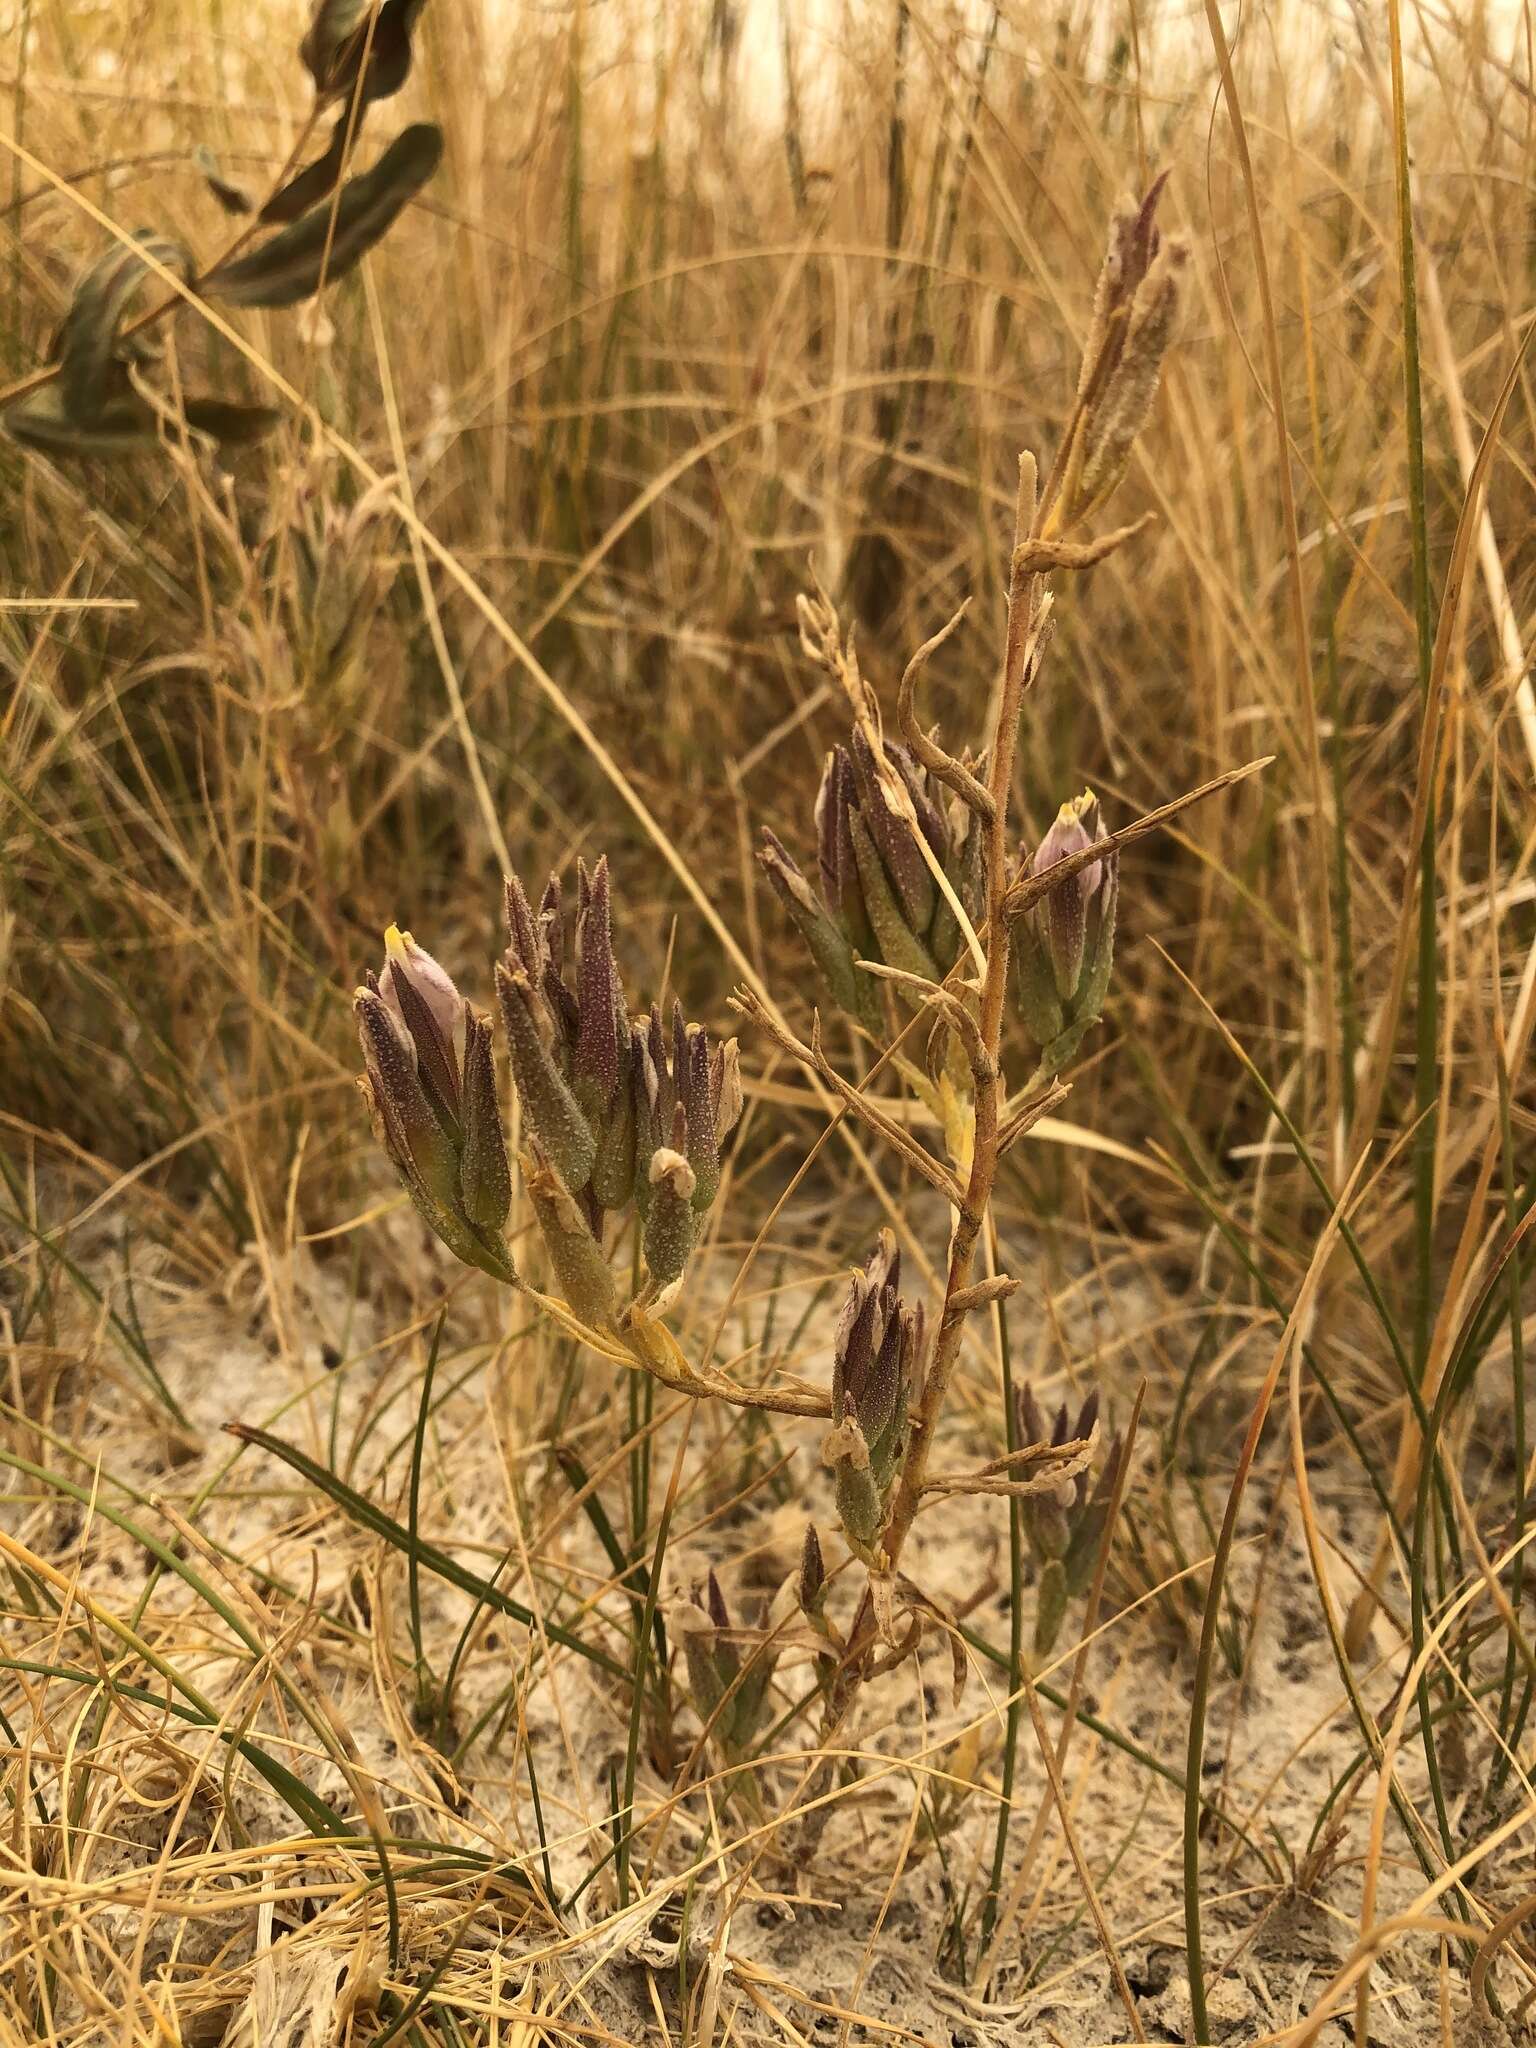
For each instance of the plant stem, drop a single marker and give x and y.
(1015, 1643)
(1027, 606)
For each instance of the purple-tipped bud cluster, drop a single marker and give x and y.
(1064, 1527)
(877, 1367)
(715, 1666)
(878, 898)
(620, 1112)
(431, 1089)
(1135, 315)
(1064, 945)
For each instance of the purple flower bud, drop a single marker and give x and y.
(1064, 910)
(828, 944)
(813, 1572)
(665, 1099)
(613, 1170)
(1064, 945)
(523, 935)
(454, 1168)
(581, 1271)
(717, 1610)
(836, 801)
(670, 1220)
(877, 1348)
(898, 940)
(428, 1008)
(703, 1146)
(595, 1063)
(551, 1111)
(896, 840)
(413, 1133)
(485, 1182)
(552, 925)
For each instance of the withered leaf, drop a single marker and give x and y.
(289, 267)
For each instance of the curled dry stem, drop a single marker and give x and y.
(946, 1000)
(1032, 1469)
(997, 1287)
(1020, 1121)
(1037, 555)
(952, 773)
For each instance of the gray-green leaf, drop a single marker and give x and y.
(290, 266)
(127, 426)
(231, 424)
(318, 180)
(88, 340)
(40, 421)
(338, 37)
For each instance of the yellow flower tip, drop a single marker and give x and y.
(395, 943)
(1076, 808)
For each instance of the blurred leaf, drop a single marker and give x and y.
(88, 341)
(318, 180)
(231, 424)
(40, 421)
(127, 425)
(338, 36)
(232, 197)
(335, 38)
(289, 267)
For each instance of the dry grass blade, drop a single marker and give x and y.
(517, 1586)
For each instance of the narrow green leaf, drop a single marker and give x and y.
(88, 341)
(330, 239)
(358, 1508)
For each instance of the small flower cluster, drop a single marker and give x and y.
(1064, 945)
(1064, 1527)
(431, 1091)
(620, 1113)
(730, 1694)
(1135, 314)
(876, 1371)
(879, 896)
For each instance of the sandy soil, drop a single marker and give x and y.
(779, 1949)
